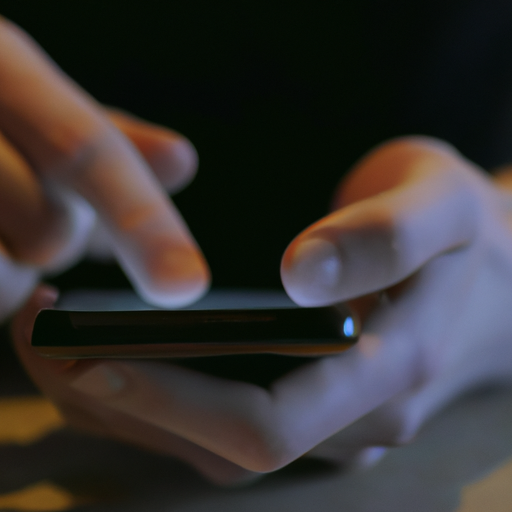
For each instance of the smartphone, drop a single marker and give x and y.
(117, 324)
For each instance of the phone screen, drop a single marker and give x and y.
(127, 300)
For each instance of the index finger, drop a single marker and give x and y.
(64, 135)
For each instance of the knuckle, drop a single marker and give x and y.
(268, 452)
(9, 27)
(261, 443)
(435, 215)
(394, 425)
(424, 142)
(74, 147)
(57, 237)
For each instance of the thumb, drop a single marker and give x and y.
(422, 207)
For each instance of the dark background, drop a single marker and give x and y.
(281, 98)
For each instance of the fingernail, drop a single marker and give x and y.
(314, 274)
(102, 382)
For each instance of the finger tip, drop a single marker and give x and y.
(46, 295)
(176, 162)
(174, 297)
(186, 155)
(177, 282)
(43, 297)
(311, 271)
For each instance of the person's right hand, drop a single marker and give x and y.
(64, 160)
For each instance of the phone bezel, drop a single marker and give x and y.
(159, 333)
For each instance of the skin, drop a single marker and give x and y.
(419, 241)
(63, 157)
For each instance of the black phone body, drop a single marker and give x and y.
(92, 324)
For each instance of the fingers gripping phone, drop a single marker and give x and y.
(94, 324)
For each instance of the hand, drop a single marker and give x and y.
(63, 160)
(423, 239)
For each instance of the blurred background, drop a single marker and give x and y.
(281, 98)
